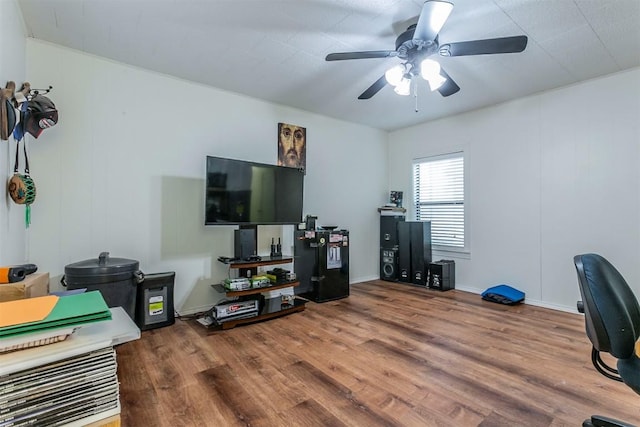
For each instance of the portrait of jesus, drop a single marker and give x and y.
(292, 146)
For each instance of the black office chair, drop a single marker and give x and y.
(612, 320)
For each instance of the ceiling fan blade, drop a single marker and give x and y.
(449, 87)
(374, 88)
(361, 55)
(431, 20)
(483, 47)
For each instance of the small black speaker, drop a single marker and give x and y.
(420, 251)
(404, 251)
(244, 243)
(442, 275)
(389, 264)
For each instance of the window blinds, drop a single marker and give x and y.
(439, 198)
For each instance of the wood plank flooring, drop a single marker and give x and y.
(389, 355)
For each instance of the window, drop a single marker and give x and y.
(439, 198)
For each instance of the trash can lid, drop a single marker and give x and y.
(103, 265)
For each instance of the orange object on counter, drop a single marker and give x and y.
(11, 274)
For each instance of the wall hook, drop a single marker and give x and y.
(34, 92)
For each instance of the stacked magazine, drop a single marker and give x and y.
(61, 392)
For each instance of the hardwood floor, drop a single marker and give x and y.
(389, 355)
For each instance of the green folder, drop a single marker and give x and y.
(69, 311)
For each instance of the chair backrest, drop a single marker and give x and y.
(612, 314)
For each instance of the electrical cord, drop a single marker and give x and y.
(190, 316)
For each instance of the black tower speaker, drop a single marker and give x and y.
(404, 251)
(389, 246)
(389, 230)
(389, 264)
(244, 243)
(420, 251)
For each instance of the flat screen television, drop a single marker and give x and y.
(249, 193)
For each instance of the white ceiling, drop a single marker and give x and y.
(274, 50)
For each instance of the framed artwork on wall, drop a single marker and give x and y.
(292, 146)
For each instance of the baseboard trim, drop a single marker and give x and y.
(363, 279)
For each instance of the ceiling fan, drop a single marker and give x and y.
(418, 43)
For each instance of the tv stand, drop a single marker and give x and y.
(269, 308)
(245, 266)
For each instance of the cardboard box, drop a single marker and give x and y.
(34, 285)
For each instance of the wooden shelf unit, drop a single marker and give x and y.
(299, 305)
(264, 261)
(250, 268)
(254, 291)
(269, 306)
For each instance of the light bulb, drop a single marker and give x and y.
(394, 75)
(404, 87)
(430, 71)
(429, 68)
(436, 82)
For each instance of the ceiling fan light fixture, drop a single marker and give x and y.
(436, 82)
(395, 75)
(430, 71)
(404, 87)
(422, 40)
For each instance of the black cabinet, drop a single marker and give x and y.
(322, 264)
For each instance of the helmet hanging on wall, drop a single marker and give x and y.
(41, 114)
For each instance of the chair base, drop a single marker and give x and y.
(601, 421)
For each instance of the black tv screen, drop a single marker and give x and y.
(240, 192)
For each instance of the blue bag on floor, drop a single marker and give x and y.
(503, 294)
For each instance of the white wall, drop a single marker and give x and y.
(549, 176)
(12, 68)
(123, 171)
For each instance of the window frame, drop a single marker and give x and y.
(453, 250)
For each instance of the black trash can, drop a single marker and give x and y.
(115, 278)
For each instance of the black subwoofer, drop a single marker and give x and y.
(389, 264)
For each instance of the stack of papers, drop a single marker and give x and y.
(43, 320)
